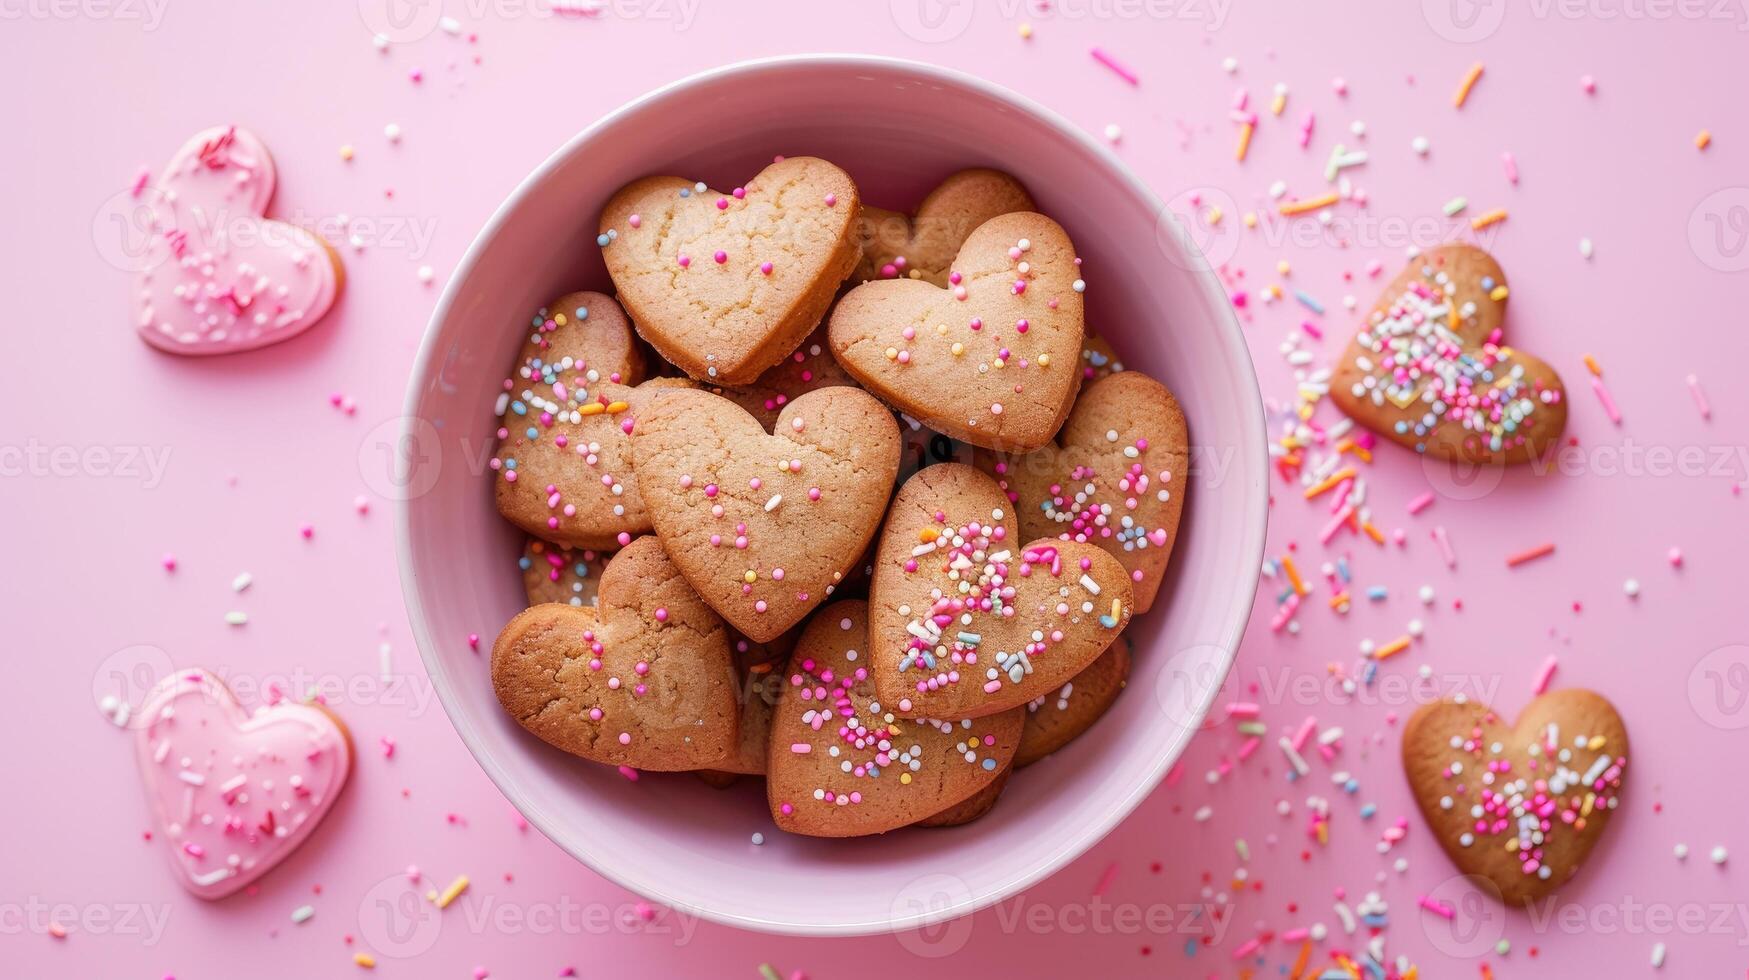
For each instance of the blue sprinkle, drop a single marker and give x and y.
(602, 240)
(510, 464)
(532, 433)
(1351, 787)
(989, 763)
(582, 312)
(581, 570)
(519, 408)
(523, 563)
(1190, 947)
(1308, 302)
(971, 639)
(1367, 811)
(686, 192)
(1376, 592)
(1107, 622)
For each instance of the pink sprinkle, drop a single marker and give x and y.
(629, 773)
(1700, 402)
(721, 256)
(1511, 166)
(831, 200)
(1117, 67)
(1675, 557)
(662, 614)
(765, 268)
(169, 562)
(307, 530)
(684, 261)
(1587, 84)
(1421, 503)
(1541, 683)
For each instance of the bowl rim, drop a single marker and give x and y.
(1230, 338)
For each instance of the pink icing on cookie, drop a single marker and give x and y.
(233, 792)
(218, 277)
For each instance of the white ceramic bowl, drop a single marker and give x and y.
(898, 127)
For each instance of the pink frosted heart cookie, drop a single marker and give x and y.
(218, 276)
(233, 792)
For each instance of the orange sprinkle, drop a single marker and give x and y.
(1493, 217)
(1392, 648)
(927, 535)
(1330, 482)
(1293, 574)
(1703, 139)
(1301, 960)
(1469, 82)
(1530, 554)
(1591, 365)
(1374, 533)
(593, 408)
(614, 408)
(1301, 207)
(1244, 142)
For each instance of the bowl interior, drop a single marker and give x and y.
(898, 128)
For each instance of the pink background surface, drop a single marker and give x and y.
(251, 449)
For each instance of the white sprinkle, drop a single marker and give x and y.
(392, 133)
(758, 838)
(242, 581)
(426, 274)
(1681, 852)
(1585, 249)
(771, 505)
(1719, 854)
(303, 913)
(1631, 587)
(236, 617)
(450, 25)
(1113, 132)
(1420, 145)
(1088, 583)
(1658, 955)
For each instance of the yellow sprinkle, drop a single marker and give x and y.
(1497, 294)
(750, 577)
(1215, 215)
(1044, 360)
(1278, 104)
(1250, 219)
(1117, 609)
(1590, 802)
(940, 328)
(1392, 648)
(958, 348)
(346, 152)
(450, 894)
(365, 960)
(1244, 142)
(892, 353)
(1469, 82)
(904, 779)
(1025, 32)
(1493, 217)
(1595, 743)
(1703, 139)
(593, 408)
(1591, 365)
(614, 408)
(559, 319)
(927, 535)
(1312, 204)
(1282, 268)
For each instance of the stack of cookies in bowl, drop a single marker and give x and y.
(848, 499)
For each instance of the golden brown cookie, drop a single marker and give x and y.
(1098, 359)
(645, 680)
(811, 366)
(993, 359)
(764, 524)
(972, 807)
(922, 245)
(1520, 805)
(725, 285)
(554, 573)
(1116, 477)
(966, 618)
(843, 765)
(567, 475)
(758, 665)
(1430, 370)
(1058, 718)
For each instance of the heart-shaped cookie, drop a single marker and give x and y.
(1098, 359)
(972, 807)
(759, 667)
(967, 621)
(564, 466)
(218, 277)
(1429, 370)
(923, 245)
(554, 573)
(809, 367)
(991, 360)
(725, 285)
(643, 680)
(234, 793)
(763, 524)
(843, 764)
(1520, 805)
(1059, 717)
(1115, 477)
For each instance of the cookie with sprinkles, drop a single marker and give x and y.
(726, 285)
(811, 366)
(971, 808)
(1115, 477)
(1430, 369)
(235, 792)
(992, 359)
(1519, 804)
(1058, 718)
(564, 464)
(1098, 359)
(643, 680)
(922, 245)
(843, 764)
(766, 524)
(555, 573)
(969, 620)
